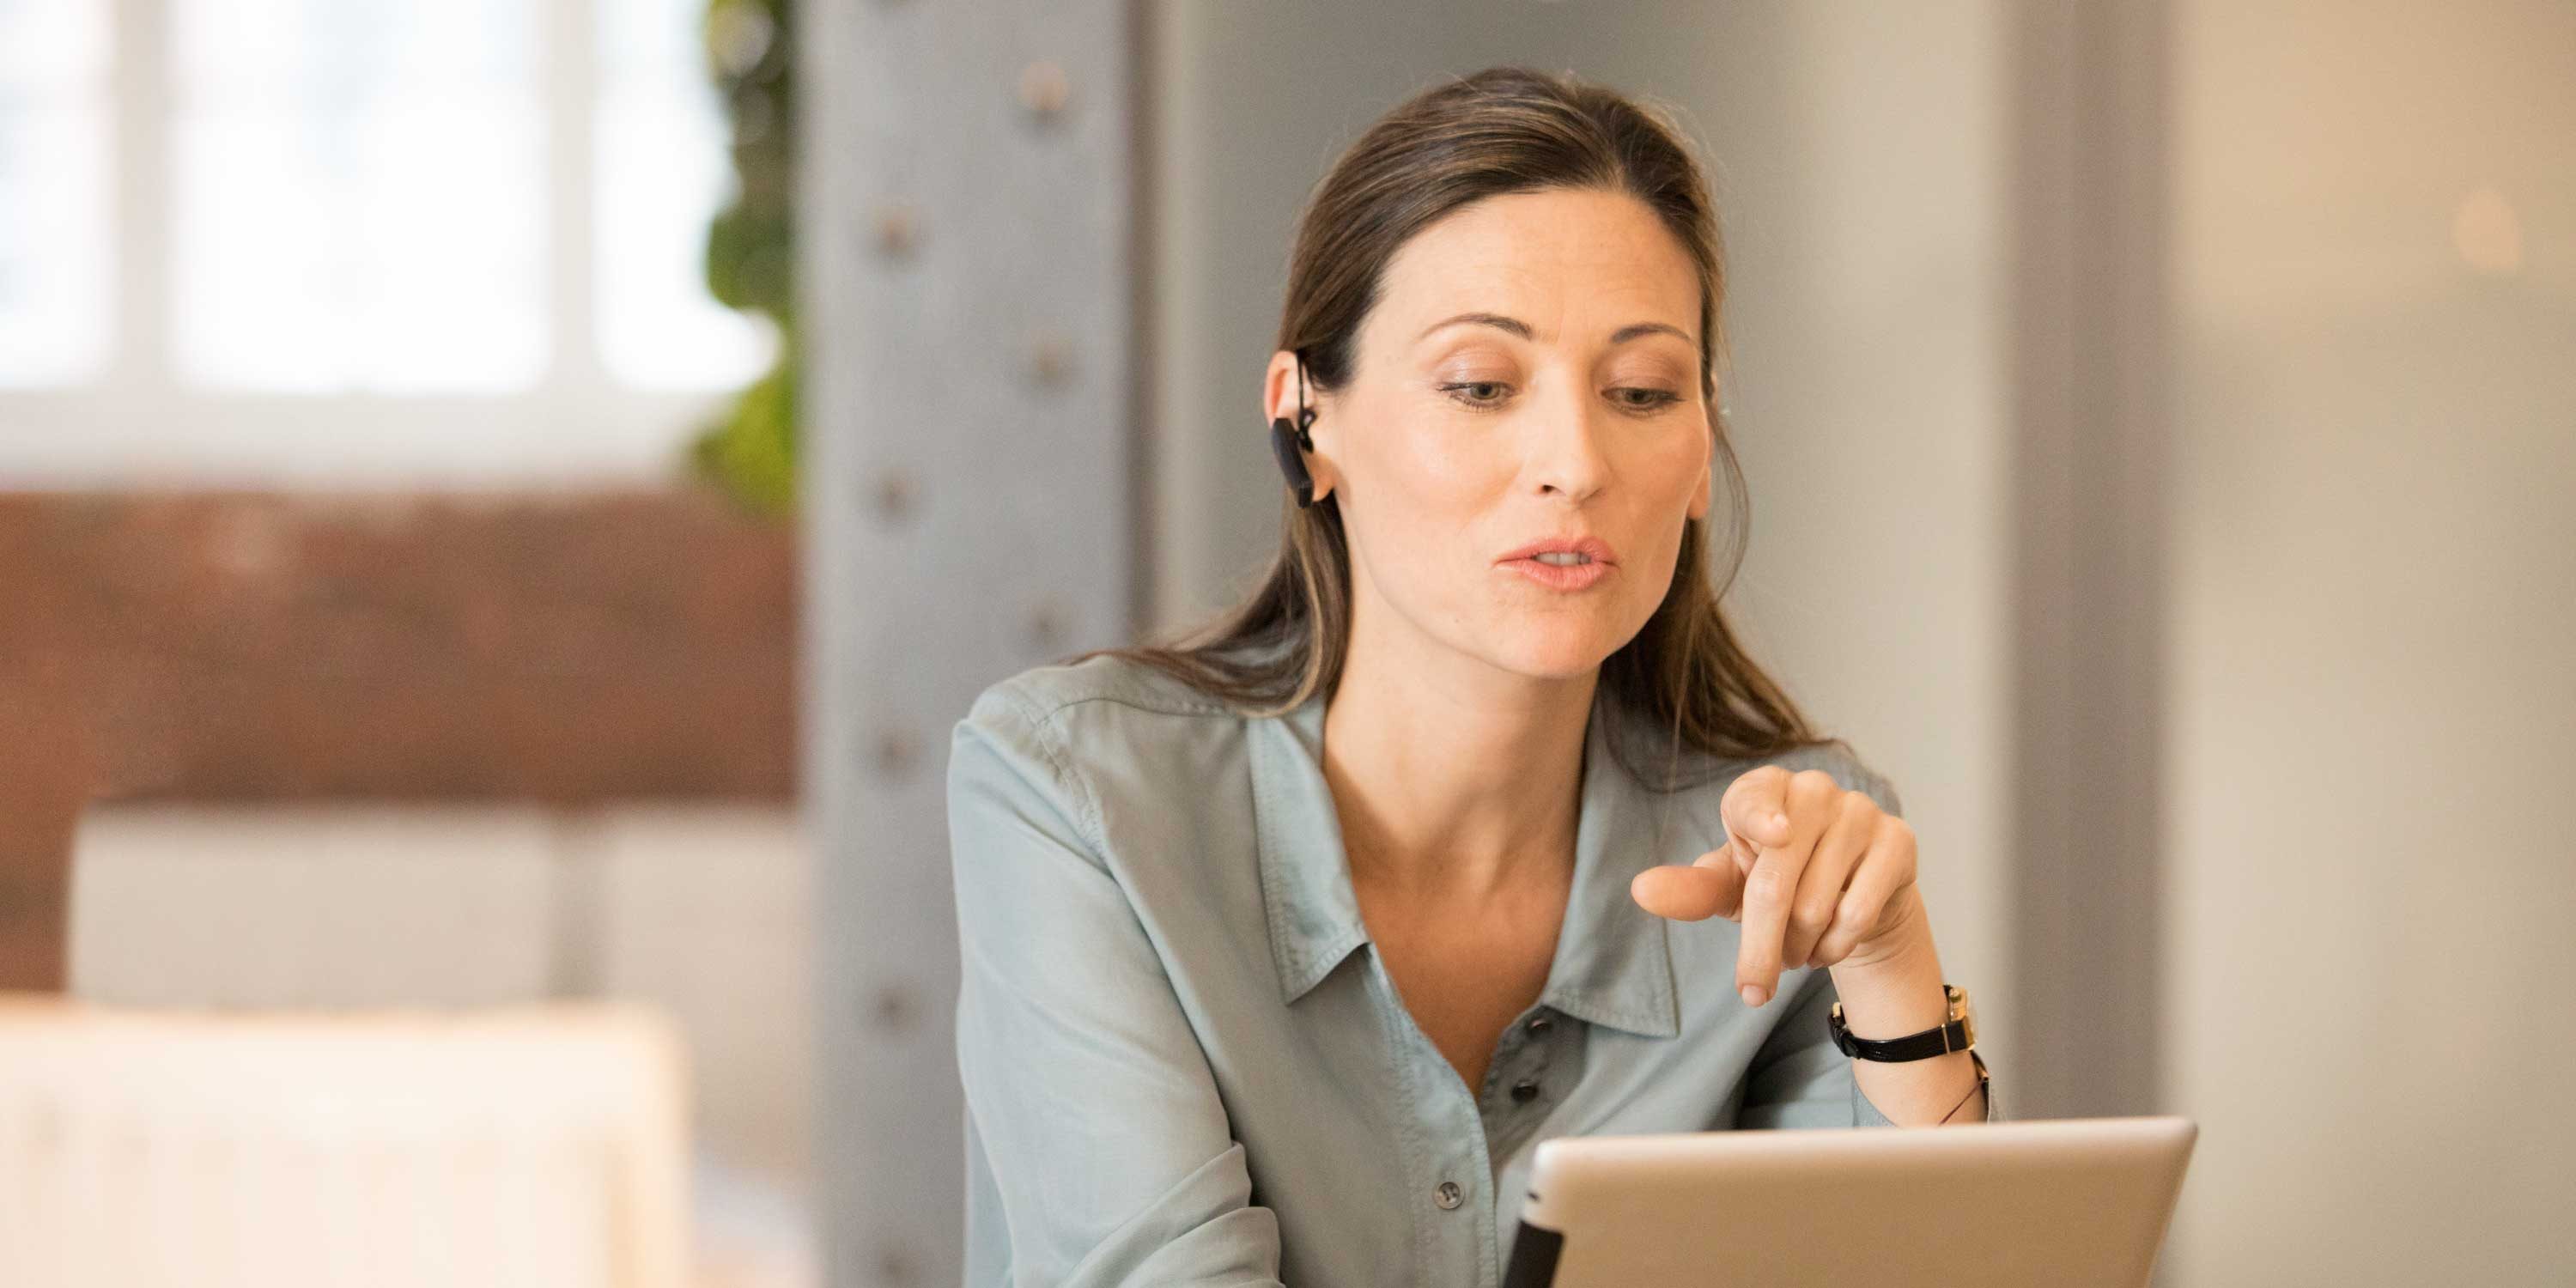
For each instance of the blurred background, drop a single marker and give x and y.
(500, 504)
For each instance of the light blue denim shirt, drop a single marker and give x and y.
(1183, 1063)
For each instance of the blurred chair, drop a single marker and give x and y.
(499, 1146)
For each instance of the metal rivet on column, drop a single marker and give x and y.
(1044, 90)
(898, 232)
(1047, 625)
(894, 752)
(891, 1008)
(893, 494)
(1051, 360)
(896, 1266)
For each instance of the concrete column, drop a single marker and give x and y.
(972, 337)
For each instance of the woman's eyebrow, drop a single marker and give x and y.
(1523, 330)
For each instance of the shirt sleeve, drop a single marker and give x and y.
(1800, 1078)
(1106, 1154)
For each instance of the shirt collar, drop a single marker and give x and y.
(1613, 965)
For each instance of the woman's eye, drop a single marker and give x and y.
(1483, 394)
(1653, 399)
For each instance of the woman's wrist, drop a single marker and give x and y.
(1892, 989)
(1895, 990)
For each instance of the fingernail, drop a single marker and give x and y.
(1755, 994)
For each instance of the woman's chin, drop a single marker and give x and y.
(1561, 654)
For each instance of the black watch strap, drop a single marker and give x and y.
(1954, 1034)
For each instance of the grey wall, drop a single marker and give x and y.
(2374, 715)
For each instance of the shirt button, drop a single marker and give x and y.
(1537, 1025)
(1448, 1195)
(1524, 1090)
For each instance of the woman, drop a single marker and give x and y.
(1284, 946)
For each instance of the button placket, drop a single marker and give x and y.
(1526, 1087)
(1518, 1055)
(1458, 1166)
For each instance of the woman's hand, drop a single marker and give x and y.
(1818, 875)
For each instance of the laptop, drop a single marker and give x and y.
(2048, 1203)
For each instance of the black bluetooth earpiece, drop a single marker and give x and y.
(1286, 440)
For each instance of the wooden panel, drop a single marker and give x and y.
(557, 647)
(47, 770)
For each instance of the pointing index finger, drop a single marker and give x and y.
(1766, 922)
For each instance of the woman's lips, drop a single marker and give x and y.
(1579, 576)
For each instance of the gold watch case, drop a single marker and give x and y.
(1960, 1011)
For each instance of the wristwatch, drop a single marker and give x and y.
(1958, 1033)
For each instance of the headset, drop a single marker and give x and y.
(1287, 439)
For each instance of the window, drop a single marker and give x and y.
(360, 195)
(53, 191)
(317, 239)
(662, 172)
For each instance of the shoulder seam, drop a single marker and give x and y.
(1051, 745)
(1141, 702)
(1045, 717)
(1128, 700)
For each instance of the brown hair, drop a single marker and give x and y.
(1502, 130)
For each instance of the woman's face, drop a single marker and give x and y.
(1566, 403)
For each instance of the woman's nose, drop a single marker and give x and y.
(1567, 456)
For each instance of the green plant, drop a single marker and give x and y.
(751, 449)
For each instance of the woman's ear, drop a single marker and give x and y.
(1279, 401)
(1279, 389)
